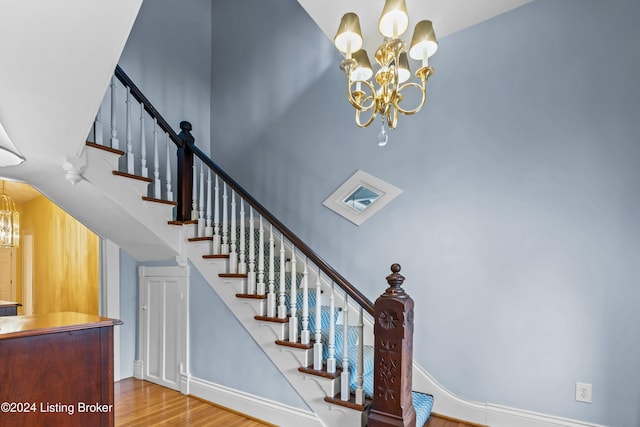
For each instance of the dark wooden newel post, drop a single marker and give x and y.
(185, 173)
(393, 313)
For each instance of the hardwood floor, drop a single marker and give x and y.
(144, 404)
(436, 420)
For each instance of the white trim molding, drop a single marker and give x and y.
(499, 416)
(448, 404)
(138, 369)
(358, 213)
(254, 406)
(110, 294)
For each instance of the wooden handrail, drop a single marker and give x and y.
(139, 96)
(332, 274)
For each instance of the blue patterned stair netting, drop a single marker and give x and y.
(422, 402)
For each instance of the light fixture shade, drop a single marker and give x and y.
(9, 223)
(9, 154)
(348, 39)
(394, 19)
(404, 72)
(424, 41)
(363, 70)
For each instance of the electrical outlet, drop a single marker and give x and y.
(583, 392)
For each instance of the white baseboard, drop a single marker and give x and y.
(138, 369)
(448, 404)
(254, 406)
(499, 416)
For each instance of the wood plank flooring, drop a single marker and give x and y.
(144, 404)
(436, 420)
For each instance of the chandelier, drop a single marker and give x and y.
(391, 78)
(9, 222)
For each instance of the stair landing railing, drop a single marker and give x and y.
(222, 210)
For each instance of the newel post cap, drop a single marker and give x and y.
(395, 281)
(185, 133)
(185, 126)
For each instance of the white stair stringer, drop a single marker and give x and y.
(285, 358)
(128, 193)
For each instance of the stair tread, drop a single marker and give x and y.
(232, 275)
(321, 373)
(217, 256)
(174, 222)
(251, 296)
(351, 403)
(271, 319)
(200, 239)
(288, 343)
(128, 175)
(153, 199)
(105, 148)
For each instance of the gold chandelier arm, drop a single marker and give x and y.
(373, 115)
(421, 88)
(392, 117)
(358, 98)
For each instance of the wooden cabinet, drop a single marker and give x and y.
(56, 370)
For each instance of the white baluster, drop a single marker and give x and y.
(331, 360)
(282, 308)
(251, 275)
(260, 285)
(201, 220)
(216, 219)
(130, 157)
(233, 254)
(271, 296)
(169, 192)
(293, 318)
(242, 265)
(359, 388)
(194, 191)
(97, 128)
(157, 184)
(208, 229)
(317, 346)
(344, 376)
(144, 171)
(114, 126)
(224, 248)
(305, 337)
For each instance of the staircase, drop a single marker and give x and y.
(313, 324)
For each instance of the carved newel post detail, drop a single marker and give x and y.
(393, 356)
(185, 173)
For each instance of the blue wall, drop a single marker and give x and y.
(223, 352)
(168, 56)
(517, 229)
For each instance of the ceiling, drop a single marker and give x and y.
(19, 192)
(448, 16)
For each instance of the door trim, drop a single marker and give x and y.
(182, 328)
(27, 271)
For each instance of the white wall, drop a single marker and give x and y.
(128, 313)
(517, 229)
